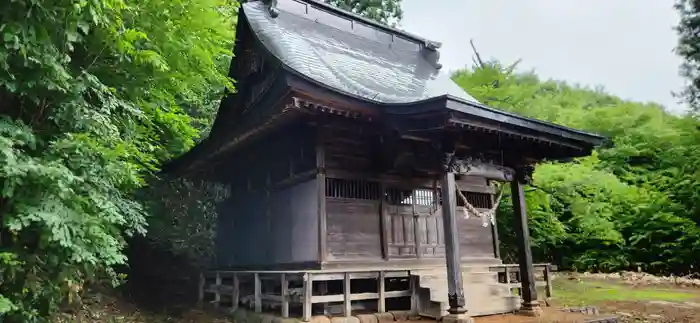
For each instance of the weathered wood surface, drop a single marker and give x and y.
(452, 253)
(353, 230)
(294, 224)
(262, 292)
(282, 225)
(414, 232)
(362, 225)
(265, 294)
(475, 240)
(509, 270)
(273, 204)
(527, 275)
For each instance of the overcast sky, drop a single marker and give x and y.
(624, 45)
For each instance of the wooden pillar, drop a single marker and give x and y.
(415, 302)
(217, 295)
(284, 293)
(416, 224)
(384, 225)
(494, 232)
(308, 294)
(202, 281)
(528, 292)
(235, 293)
(321, 185)
(455, 286)
(381, 303)
(347, 303)
(257, 293)
(548, 280)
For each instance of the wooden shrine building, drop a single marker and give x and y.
(351, 162)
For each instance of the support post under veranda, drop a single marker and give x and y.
(457, 311)
(530, 305)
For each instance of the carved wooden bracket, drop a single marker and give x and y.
(476, 167)
(523, 174)
(449, 163)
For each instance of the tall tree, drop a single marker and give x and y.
(384, 11)
(94, 95)
(689, 49)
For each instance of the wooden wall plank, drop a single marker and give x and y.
(352, 229)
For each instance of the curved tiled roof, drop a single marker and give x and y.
(351, 55)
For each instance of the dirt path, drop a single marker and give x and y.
(654, 311)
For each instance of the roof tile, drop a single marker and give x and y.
(349, 55)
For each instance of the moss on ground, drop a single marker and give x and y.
(592, 292)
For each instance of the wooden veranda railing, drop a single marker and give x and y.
(510, 274)
(284, 295)
(295, 288)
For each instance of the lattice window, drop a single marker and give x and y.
(396, 196)
(352, 189)
(477, 200)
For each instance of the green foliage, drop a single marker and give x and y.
(187, 218)
(383, 11)
(633, 203)
(164, 266)
(94, 95)
(689, 49)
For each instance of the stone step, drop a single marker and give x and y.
(442, 271)
(484, 294)
(434, 310)
(487, 287)
(440, 292)
(486, 306)
(498, 306)
(492, 288)
(481, 290)
(471, 278)
(480, 277)
(467, 277)
(441, 296)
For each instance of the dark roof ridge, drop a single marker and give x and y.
(335, 11)
(426, 42)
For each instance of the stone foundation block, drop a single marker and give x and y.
(320, 319)
(349, 319)
(457, 318)
(384, 317)
(367, 318)
(401, 315)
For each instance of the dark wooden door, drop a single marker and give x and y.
(352, 226)
(412, 224)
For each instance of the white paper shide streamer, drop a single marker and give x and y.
(486, 215)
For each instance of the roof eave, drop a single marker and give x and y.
(483, 111)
